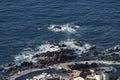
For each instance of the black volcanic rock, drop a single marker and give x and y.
(112, 50)
(78, 43)
(57, 27)
(114, 56)
(26, 64)
(73, 27)
(55, 57)
(93, 47)
(82, 66)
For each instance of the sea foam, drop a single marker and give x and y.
(24, 57)
(47, 47)
(71, 28)
(71, 44)
(77, 46)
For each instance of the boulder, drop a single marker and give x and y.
(57, 27)
(78, 43)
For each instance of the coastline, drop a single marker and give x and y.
(25, 72)
(63, 65)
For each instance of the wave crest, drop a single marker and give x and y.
(69, 44)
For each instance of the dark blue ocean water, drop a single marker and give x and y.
(24, 23)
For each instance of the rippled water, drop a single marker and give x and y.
(24, 23)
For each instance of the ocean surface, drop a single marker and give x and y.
(24, 23)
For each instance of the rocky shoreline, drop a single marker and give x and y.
(62, 55)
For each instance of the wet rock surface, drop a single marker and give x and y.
(82, 66)
(62, 54)
(113, 53)
(57, 27)
(113, 49)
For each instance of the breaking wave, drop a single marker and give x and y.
(25, 56)
(71, 28)
(77, 46)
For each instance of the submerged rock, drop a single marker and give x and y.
(78, 43)
(92, 47)
(112, 50)
(73, 27)
(114, 56)
(56, 27)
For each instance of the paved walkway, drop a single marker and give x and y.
(63, 65)
(22, 73)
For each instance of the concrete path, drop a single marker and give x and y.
(63, 65)
(22, 73)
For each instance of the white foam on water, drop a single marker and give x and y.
(39, 28)
(64, 28)
(28, 53)
(24, 57)
(117, 47)
(87, 46)
(47, 47)
(70, 45)
(117, 53)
